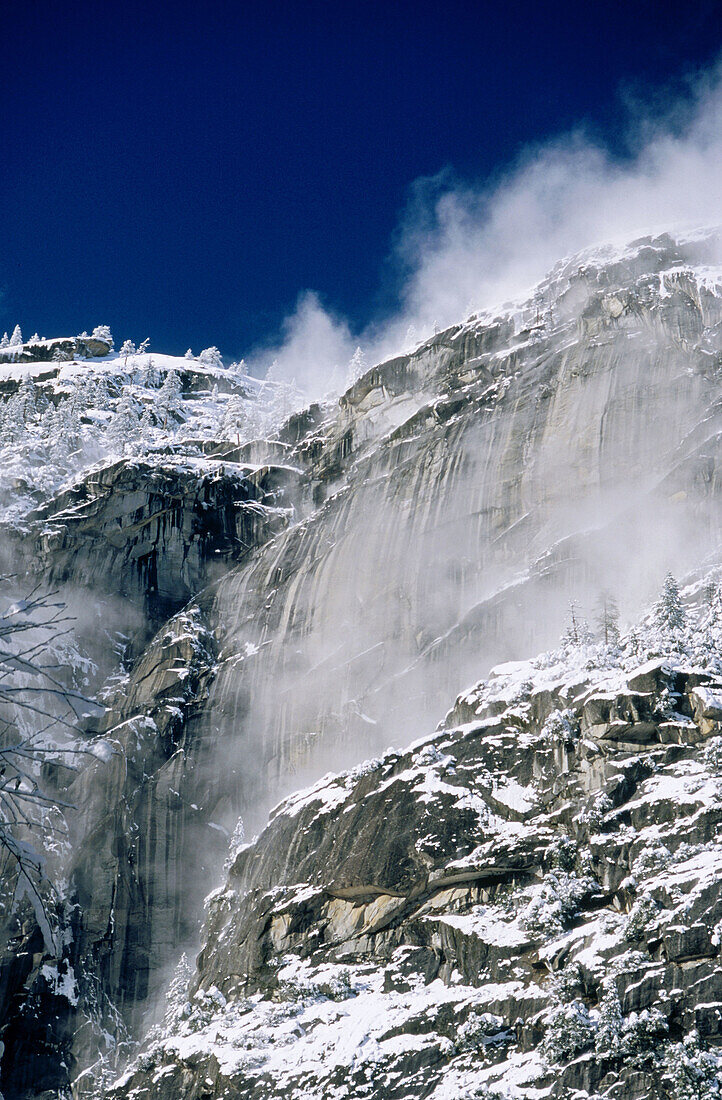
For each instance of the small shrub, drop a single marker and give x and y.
(570, 1030)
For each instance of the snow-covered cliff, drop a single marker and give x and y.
(298, 601)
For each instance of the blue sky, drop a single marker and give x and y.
(184, 171)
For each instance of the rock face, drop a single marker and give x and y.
(165, 529)
(308, 600)
(519, 903)
(464, 492)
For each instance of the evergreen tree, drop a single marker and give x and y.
(189, 354)
(146, 426)
(14, 419)
(124, 427)
(149, 377)
(176, 996)
(102, 332)
(608, 619)
(128, 348)
(5, 341)
(235, 421)
(211, 357)
(577, 632)
(608, 1034)
(26, 395)
(669, 617)
(17, 337)
(170, 400)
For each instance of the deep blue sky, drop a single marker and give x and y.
(183, 171)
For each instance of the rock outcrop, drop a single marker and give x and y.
(517, 906)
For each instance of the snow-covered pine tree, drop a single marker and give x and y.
(608, 1034)
(211, 357)
(607, 619)
(145, 427)
(102, 332)
(128, 348)
(5, 341)
(169, 403)
(124, 427)
(577, 631)
(234, 422)
(189, 354)
(13, 419)
(176, 996)
(17, 337)
(149, 377)
(669, 616)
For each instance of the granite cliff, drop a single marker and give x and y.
(297, 604)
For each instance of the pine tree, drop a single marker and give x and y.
(669, 617)
(577, 632)
(17, 337)
(5, 341)
(608, 619)
(124, 427)
(146, 426)
(170, 400)
(126, 351)
(234, 422)
(189, 354)
(608, 1034)
(211, 357)
(149, 375)
(176, 996)
(102, 332)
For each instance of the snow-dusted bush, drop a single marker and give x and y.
(653, 857)
(566, 983)
(481, 1029)
(692, 1073)
(593, 814)
(713, 756)
(561, 726)
(642, 920)
(569, 1031)
(555, 903)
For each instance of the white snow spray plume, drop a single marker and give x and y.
(465, 248)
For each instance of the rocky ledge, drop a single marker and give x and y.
(525, 903)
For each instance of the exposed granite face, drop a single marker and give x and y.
(464, 493)
(159, 531)
(527, 900)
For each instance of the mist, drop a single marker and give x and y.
(464, 247)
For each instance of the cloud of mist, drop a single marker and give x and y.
(464, 248)
(313, 352)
